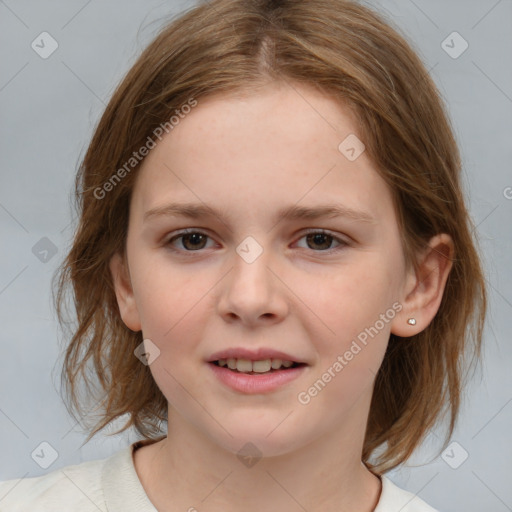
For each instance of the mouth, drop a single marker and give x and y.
(256, 376)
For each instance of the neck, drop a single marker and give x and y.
(188, 471)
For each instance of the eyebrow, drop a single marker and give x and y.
(294, 212)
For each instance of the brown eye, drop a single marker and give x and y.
(322, 241)
(190, 240)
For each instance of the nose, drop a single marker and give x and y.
(253, 292)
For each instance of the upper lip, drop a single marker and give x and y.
(259, 354)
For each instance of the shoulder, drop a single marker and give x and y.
(394, 499)
(77, 487)
(103, 485)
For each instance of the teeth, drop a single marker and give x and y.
(244, 365)
(261, 366)
(247, 366)
(276, 363)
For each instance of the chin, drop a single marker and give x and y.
(261, 441)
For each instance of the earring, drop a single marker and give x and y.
(411, 321)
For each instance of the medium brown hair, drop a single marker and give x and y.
(354, 56)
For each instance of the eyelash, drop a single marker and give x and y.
(180, 234)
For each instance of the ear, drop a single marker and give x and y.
(124, 293)
(424, 288)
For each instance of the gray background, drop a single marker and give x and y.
(48, 110)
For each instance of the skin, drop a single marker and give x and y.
(252, 155)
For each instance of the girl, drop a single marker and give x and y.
(274, 262)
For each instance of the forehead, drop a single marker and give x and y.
(273, 146)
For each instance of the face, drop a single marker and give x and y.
(321, 291)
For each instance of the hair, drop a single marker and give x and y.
(356, 57)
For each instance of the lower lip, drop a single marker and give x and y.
(264, 383)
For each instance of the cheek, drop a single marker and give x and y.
(355, 308)
(355, 295)
(167, 299)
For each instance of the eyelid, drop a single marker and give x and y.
(326, 232)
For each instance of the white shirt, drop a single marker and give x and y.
(112, 485)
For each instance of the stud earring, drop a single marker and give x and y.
(411, 321)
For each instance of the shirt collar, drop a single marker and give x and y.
(122, 489)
